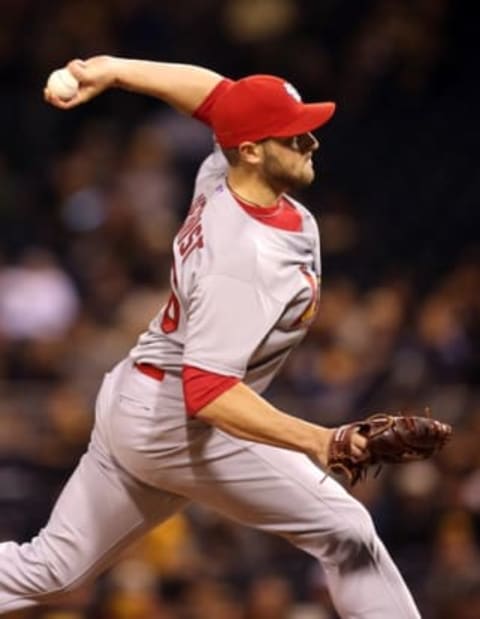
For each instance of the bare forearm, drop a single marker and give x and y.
(180, 85)
(184, 87)
(243, 413)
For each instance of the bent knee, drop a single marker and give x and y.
(347, 541)
(353, 544)
(350, 552)
(51, 582)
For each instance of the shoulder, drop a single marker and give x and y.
(212, 169)
(304, 211)
(310, 223)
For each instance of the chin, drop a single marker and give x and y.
(293, 181)
(306, 179)
(310, 177)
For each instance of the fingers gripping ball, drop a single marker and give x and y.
(390, 439)
(62, 84)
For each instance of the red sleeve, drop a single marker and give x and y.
(201, 387)
(204, 110)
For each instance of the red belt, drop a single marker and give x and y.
(151, 370)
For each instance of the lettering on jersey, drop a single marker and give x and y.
(171, 313)
(190, 236)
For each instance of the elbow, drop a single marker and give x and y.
(209, 414)
(201, 388)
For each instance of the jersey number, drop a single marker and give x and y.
(171, 313)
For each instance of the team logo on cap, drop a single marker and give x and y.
(292, 91)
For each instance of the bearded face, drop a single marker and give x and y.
(287, 162)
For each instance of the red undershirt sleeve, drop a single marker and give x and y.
(201, 387)
(203, 112)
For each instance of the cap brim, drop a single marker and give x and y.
(311, 117)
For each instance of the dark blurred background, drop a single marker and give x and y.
(90, 200)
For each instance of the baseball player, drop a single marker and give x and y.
(181, 418)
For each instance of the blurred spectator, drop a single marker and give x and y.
(270, 597)
(37, 298)
(454, 585)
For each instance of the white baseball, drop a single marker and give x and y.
(62, 84)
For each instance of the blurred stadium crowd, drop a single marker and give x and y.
(89, 202)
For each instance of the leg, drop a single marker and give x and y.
(100, 511)
(272, 489)
(284, 493)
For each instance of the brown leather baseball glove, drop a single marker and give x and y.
(390, 439)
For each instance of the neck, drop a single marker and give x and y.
(252, 188)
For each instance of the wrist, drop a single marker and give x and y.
(321, 445)
(113, 71)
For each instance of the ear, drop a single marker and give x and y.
(250, 152)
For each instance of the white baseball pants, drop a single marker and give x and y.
(146, 460)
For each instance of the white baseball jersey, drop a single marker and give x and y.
(243, 292)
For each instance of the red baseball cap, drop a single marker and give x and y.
(264, 106)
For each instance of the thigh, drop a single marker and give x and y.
(103, 507)
(273, 489)
(267, 487)
(101, 510)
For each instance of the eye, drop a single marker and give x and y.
(304, 142)
(292, 142)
